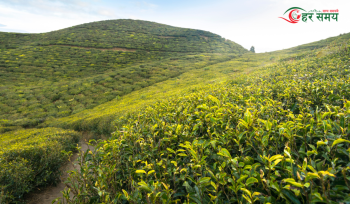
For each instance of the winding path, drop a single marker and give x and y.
(47, 195)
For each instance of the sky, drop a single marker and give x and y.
(246, 22)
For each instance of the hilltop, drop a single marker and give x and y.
(63, 72)
(127, 34)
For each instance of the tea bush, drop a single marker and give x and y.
(100, 118)
(278, 135)
(60, 73)
(126, 33)
(31, 158)
(31, 93)
(272, 134)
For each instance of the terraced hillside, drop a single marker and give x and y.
(100, 119)
(131, 34)
(56, 74)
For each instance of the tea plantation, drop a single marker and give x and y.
(190, 117)
(278, 135)
(126, 33)
(32, 158)
(60, 73)
(53, 75)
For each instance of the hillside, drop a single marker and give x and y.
(130, 34)
(336, 40)
(63, 72)
(101, 118)
(279, 134)
(190, 117)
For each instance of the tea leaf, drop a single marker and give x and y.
(251, 180)
(340, 140)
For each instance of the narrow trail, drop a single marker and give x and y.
(47, 195)
(102, 49)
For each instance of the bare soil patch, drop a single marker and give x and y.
(103, 49)
(205, 37)
(160, 36)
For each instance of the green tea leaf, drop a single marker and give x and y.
(246, 191)
(203, 107)
(151, 172)
(291, 196)
(214, 99)
(224, 152)
(204, 180)
(251, 180)
(273, 158)
(317, 195)
(293, 182)
(320, 143)
(326, 173)
(340, 140)
(171, 150)
(242, 178)
(140, 171)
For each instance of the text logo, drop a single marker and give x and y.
(295, 14)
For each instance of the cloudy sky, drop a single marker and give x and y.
(248, 22)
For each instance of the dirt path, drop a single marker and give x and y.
(103, 49)
(47, 195)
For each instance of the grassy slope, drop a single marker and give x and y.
(135, 34)
(63, 72)
(100, 119)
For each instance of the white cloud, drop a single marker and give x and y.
(107, 12)
(38, 16)
(249, 22)
(12, 30)
(64, 8)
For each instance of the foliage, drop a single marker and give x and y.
(278, 135)
(175, 138)
(252, 49)
(57, 74)
(126, 33)
(337, 40)
(100, 118)
(31, 94)
(32, 158)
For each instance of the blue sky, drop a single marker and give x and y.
(248, 22)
